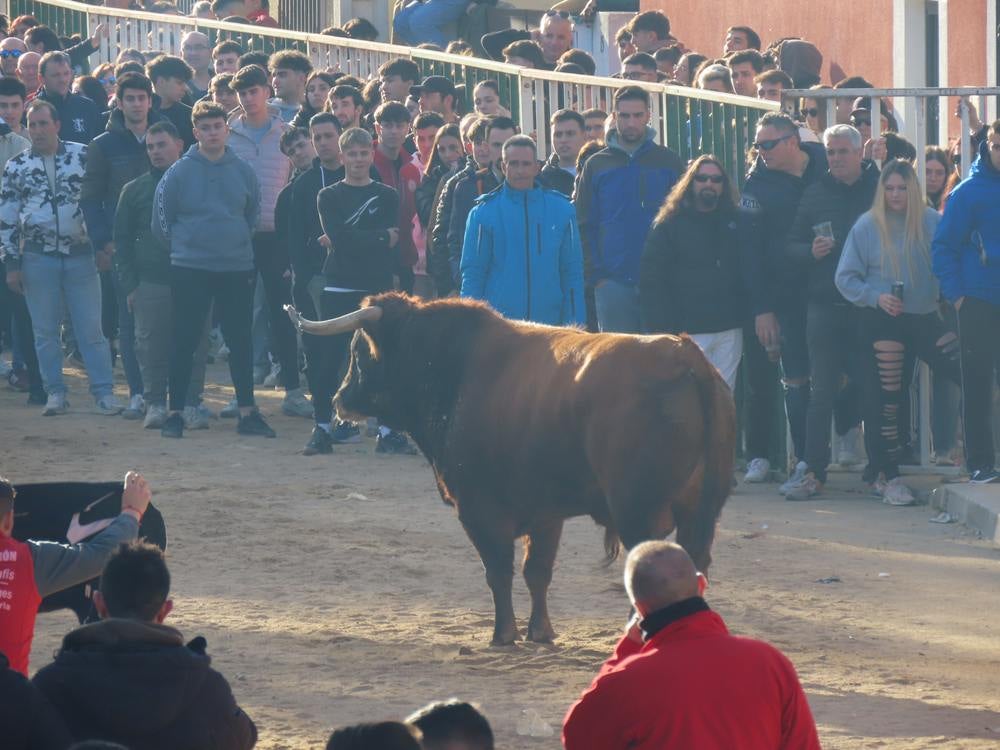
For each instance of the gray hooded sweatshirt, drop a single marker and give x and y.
(206, 212)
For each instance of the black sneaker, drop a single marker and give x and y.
(346, 432)
(173, 426)
(984, 476)
(254, 424)
(319, 442)
(394, 442)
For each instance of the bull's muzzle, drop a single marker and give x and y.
(344, 324)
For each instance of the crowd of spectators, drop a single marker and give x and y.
(162, 281)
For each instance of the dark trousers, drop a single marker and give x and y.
(20, 328)
(192, 293)
(832, 335)
(892, 344)
(761, 378)
(325, 355)
(978, 323)
(271, 258)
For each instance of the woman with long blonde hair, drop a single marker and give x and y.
(886, 269)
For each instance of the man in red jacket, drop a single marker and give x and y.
(678, 679)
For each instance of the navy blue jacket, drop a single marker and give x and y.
(80, 120)
(115, 157)
(966, 247)
(770, 200)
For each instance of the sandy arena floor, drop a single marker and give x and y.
(339, 588)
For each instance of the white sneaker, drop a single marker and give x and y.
(230, 410)
(194, 419)
(850, 450)
(295, 404)
(156, 414)
(136, 408)
(108, 406)
(55, 404)
(806, 488)
(272, 378)
(796, 477)
(897, 493)
(758, 470)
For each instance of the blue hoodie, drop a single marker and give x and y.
(522, 255)
(206, 212)
(966, 247)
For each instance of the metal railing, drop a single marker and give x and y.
(690, 121)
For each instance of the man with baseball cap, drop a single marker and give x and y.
(437, 94)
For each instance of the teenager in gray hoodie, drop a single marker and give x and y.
(206, 208)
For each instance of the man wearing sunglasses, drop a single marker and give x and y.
(11, 49)
(555, 36)
(691, 279)
(782, 169)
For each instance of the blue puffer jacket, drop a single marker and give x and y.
(618, 196)
(966, 248)
(522, 255)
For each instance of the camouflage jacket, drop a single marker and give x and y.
(33, 217)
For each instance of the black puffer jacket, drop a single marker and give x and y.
(28, 721)
(691, 278)
(841, 205)
(137, 684)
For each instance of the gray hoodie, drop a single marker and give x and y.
(206, 212)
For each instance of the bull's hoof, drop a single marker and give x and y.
(541, 632)
(505, 637)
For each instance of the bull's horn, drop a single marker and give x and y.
(344, 324)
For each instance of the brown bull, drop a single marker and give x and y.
(528, 425)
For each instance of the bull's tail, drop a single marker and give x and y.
(719, 413)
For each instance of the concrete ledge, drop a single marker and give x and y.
(975, 505)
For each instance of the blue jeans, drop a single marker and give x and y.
(617, 307)
(418, 23)
(51, 282)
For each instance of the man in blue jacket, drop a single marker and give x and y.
(80, 119)
(966, 258)
(522, 252)
(621, 189)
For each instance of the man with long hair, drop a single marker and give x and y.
(691, 278)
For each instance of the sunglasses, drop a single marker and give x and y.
(15, 53)
(715, 179)
(811, 112)
(107, 81)
(770, 143)
(560, 13)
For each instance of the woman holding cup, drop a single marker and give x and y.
(886, 270)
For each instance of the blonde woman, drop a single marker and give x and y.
(886, 269)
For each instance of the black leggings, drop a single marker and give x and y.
(891, 342)
(271, 259)
(325, 355)
(192, 292)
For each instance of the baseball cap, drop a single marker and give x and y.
(434, 85)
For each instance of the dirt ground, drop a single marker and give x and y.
(335, 589)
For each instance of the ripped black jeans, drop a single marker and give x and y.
(890, 341)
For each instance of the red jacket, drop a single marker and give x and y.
(19, 600)
(262, 18)
(692, 685)
(403, 176)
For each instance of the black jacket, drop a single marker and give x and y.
(438, 261)
(27, 720)
(80, 120)
(841, 205)
(555, 177)
(768, 206)
(357, 220)
(137, 684)
(463, 199)
(691, 276)
(180, 115)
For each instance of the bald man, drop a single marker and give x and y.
(554, 36)
(196, 49)
(11, 50)
(27, 71)
(678, 679)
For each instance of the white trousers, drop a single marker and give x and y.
(724, 350)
